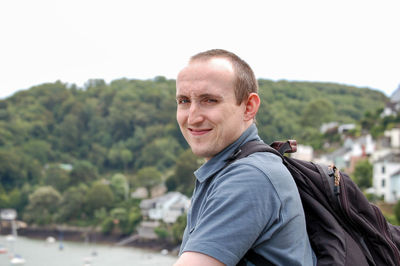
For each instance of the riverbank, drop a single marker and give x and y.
(90, 235)
(38, 252)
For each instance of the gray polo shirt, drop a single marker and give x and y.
(252, 203)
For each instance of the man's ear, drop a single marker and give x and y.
(252, 105)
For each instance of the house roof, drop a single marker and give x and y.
(147, 203)
(396, 95)
(337, 153)
(397, 173)
(391, 157)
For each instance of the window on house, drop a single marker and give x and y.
(383, 183)
(383, 169)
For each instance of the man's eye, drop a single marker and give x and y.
(211, 100)
(183, 101)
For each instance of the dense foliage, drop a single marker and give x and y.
(73, 155)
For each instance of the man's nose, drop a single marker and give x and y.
(195, 114)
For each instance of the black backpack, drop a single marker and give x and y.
(343, 227)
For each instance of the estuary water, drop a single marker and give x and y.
(40, 253)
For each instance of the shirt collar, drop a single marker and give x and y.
(217, 162)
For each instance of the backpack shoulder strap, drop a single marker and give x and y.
(252, 147)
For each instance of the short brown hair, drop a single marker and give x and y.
(246, 81)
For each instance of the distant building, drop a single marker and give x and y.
(352, 151)
(328, 127)
(66, 166)
(386, 177)
(392, 107)
(303, 152)
(388, 144)
(393, 136)
(8, 214)
(146, 229)
(142, 193)
(334, 127)
(166, 208)
(345, 128)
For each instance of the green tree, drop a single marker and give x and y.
(161, 232)
(183, 178)
(83, 172)
(16, 200)
(125, 221)
(38, 149)
(317, 112)
(4, 200)
(107, 225)
(43, 204)
(134, 218)
(120, 186)
(362, 175)
(97, 155)
(160, 153)
(126, 157)
(149, 177)
(99, 196)
(119, 156)
(56, 177)
(12, 173)
(70, 133)
(72, 203)
(178, 228)
(121, 220)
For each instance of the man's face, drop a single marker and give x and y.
(208, 115)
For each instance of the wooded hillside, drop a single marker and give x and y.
(75, 143)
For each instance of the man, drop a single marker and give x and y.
(252, 203)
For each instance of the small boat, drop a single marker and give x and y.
(3, 249)
(17, 260)
(61, 237)
(50, 240)
(87, 261)
(164, 252)
(10, 238)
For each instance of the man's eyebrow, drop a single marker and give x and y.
(180, 96)
(209, 95)
(205, 95)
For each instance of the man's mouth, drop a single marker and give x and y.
(198, 132)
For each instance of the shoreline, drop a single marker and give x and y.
(83, 234)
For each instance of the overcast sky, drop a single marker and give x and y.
(344, 41)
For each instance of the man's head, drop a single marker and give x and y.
(245, 80)
(217, 101)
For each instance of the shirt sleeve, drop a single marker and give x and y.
(241, 203)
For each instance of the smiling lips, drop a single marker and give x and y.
(198, 132)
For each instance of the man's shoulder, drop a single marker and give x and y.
(258, 169)
(262, 167)
(265, 162)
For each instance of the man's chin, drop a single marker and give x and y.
(202, 153)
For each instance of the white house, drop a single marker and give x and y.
(8, 214)
(328, 126)
(386, 177)
(345, 128)
(167, 207)
(303, 152)
(352, 149)
(394, 137)
(393, 106)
